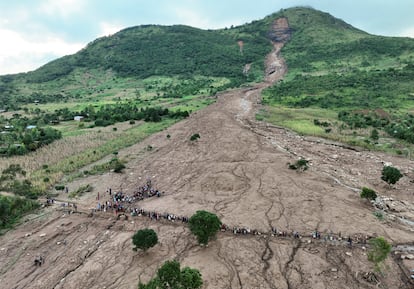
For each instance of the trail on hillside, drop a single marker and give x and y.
(238, 170)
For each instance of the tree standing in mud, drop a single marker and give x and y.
(204, 225)
(144, 239)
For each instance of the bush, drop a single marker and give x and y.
(379, 251)
(59, 187)
(194, 137)
(368, 194)
(379, 215)
(81, 190)
(301, 165)
(204, 225)
(144, 239)
(390, 175)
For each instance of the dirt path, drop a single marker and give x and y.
(237, 169)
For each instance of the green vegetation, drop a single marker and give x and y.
(12, 208)
(144, 239)
(80, 191)
(300, 165)
(19, 138)
(390, 175)
(379, 215)
(114, 164)
(13, 180)
(204, 225)
(195, 137)
(378, 252)
(170, 276)
(368, 194)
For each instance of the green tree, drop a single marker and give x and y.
(390, 175)
(374, 135)
(191, 278)
(144, 239)
(379, 251)
(169, 276)
(368, 194)
(204, 225)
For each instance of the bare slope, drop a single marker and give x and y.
(237, 169)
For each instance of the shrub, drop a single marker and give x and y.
(59, 187)
(368, 194)
(390, 175)
(194, 137)
(301, 165)
(379, 251)
(81, 190)
(379, 215)
(117, 165)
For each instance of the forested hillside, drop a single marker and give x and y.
(350, 81)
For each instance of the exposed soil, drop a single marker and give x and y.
(238, 170)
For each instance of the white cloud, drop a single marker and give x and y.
(191, 17)
(61, 8)
(107, 29)
(17, 54)
(408, 32)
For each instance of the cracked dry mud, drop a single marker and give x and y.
(238, 170)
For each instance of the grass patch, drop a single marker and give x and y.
(114, 164)
(300, 120)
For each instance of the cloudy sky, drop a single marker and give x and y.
(33, 32)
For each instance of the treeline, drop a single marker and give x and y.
(113, 113)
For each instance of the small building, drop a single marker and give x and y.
(78, 118)
(30, 127)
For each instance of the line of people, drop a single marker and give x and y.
(121, 202)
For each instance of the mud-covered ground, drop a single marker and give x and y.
(238, 170)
